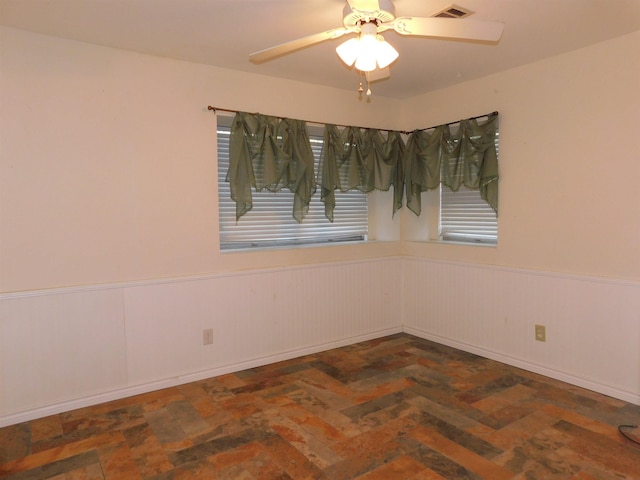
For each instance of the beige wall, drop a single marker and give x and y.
(109, 175)
(109, 163)
(569, 161)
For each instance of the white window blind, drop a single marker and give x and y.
(466, 217)
(270, 222)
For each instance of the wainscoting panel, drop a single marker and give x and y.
(58, 346)
(256, 315)
(592, 324)
(67, 348)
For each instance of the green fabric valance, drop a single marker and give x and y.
(357, 159)
(273, 153)
(467, 158)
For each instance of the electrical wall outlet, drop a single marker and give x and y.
(541, 334)
(207, 336)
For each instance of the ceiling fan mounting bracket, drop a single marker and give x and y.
(375, 21)
(354, 18)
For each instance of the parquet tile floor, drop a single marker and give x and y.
(398, 407)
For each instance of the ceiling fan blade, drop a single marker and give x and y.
(453, 28)
(364, 5)
(288, 47)
(378, 74)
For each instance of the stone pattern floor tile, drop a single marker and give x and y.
(397, 407)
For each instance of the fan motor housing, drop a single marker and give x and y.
(354, 17)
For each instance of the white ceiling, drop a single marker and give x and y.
(224, 32)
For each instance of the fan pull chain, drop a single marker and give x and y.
(360, 87)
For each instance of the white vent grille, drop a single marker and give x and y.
(453, 11)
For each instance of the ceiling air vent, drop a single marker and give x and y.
(453, 11)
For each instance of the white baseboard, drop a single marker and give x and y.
(129, 391)
(531, 367)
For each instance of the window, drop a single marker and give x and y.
(270, 222)
(466, 217)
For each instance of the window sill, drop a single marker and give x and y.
(293, 247)
(458, 243)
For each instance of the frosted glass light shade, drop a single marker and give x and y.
(368, 54)
(385, 53)
(349, 50)
(366, 63)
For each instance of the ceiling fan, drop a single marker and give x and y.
(368, 51)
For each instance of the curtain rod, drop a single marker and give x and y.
(457, 121)
(214, 109)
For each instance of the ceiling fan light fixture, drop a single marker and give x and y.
(367, 51)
